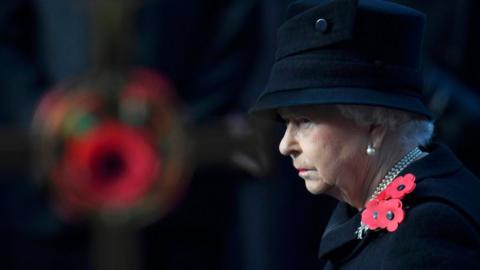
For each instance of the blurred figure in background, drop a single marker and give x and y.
(450, 74)
(218, 54)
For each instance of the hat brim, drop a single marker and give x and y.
(268, 103)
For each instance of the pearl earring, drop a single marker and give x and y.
(370, 150)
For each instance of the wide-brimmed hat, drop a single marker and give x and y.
(364, 52)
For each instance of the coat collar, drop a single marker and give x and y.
(340, 231)
(460, 193)
(339, 234)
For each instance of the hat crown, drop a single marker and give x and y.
(298, 7)
(374, 29)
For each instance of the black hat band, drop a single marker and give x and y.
(315, 71)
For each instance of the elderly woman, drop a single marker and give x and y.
(346, 82)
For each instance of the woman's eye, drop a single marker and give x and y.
(298, 122)
(304, 120)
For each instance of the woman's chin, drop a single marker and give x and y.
(316, 187)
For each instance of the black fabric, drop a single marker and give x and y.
(371, 45)
(298, 33)
(340, 70)
(441, 229)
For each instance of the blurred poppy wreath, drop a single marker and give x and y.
(113, 146)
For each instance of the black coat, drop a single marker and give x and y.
(441, 229)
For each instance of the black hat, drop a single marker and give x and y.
(347, 52)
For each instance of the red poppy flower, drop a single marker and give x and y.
(401, 186)
(390, 214)
(111, 166)
(370, 216)
(383, 214)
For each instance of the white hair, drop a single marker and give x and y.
(411, 129)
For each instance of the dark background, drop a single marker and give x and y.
(218, 54)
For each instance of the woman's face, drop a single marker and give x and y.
(327, 149)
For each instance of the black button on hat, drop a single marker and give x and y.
(370, 56)
(321, 25)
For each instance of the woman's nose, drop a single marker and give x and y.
(288, 145)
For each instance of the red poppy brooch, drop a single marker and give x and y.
(385, 211)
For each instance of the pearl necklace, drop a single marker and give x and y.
(411, 156)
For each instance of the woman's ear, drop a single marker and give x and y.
(377, 135)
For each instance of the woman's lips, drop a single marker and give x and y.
(302, 172)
